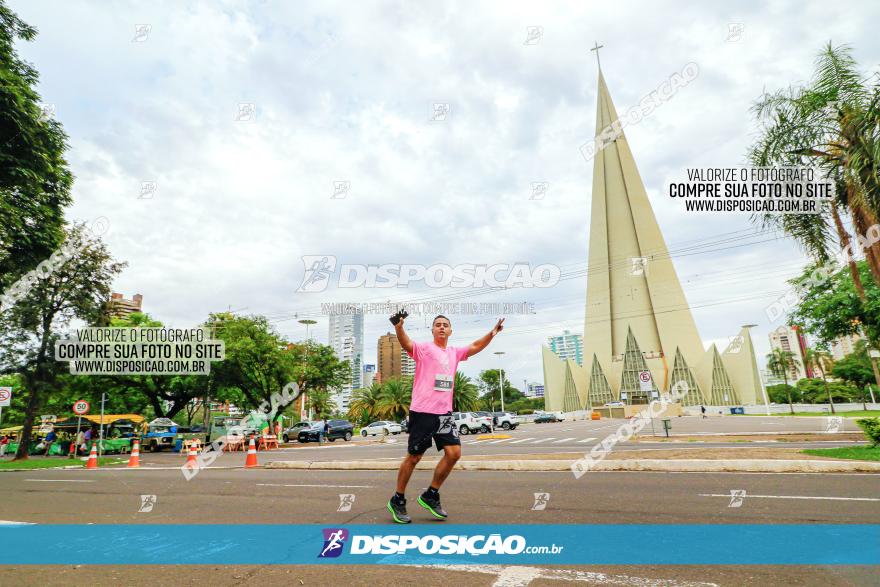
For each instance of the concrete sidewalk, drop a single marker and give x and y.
(632, 464)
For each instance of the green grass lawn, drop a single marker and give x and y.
(52, 463)
(858, 453)
(850, 414)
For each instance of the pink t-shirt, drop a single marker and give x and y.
(435, 373)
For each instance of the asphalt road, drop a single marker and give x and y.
(258, 496)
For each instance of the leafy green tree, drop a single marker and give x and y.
(490, 384)
(856, 368)
(781, 362)
(256, 364)
(35, 180)
(833, 308)
(817, 391)
(78, 287)
(781, 394)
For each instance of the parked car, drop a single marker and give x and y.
(293, 431)
(382, 427)
(485, 419)
(505, 420)
(545, 417)
(468, 423)
(338, 429)
(405, 425)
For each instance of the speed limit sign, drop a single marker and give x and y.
(81, 407)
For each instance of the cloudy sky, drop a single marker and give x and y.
(345, 92)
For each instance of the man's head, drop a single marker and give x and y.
(441, 328)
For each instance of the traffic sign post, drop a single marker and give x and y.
(79, 408)
(5, 399)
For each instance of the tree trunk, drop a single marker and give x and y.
(863, 220)
(845, 242)
(827, 390)
(35, 384)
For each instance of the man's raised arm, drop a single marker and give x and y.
(483, 342)
(404, 339)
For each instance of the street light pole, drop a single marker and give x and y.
(501, 376)
(308, 323)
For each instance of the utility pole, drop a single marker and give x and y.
(308, 323)
(501, 378)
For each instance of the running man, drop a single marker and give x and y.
(430, 412)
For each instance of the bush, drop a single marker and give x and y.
(777, 394)
(871, 428)
(526, 412)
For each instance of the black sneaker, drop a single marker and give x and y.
(398, 511)
(432, 504)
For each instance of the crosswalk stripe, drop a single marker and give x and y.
(563, 440)
(498, 441)
(522, 440)
(586, 440)
(543, 440)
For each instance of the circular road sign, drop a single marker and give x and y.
(81, 407)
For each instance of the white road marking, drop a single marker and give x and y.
(520, 576)
(795, 497)
(585, 440)
(315, 485)
(61, 480)
(564, 440)
(498, 441)
(522, 440)
(14, 523)
(543, 440)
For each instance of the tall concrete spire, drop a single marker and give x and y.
(631, 284)
(637, 318)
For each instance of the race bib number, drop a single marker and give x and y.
(443, 382)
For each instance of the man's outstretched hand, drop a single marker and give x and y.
(498, 327)
(398, 317)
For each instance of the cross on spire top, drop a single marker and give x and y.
(596, 48)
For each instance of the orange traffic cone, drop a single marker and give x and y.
(191, 461)
(93, 458)
(251, 460)
(135, 459)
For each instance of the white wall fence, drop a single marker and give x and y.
(818, 409)
(761, 409)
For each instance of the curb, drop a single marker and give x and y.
(668, 465)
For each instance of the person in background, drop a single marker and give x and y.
(50, 440)
(325, 430)
(4, 444)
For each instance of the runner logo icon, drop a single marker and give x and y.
(334, 542)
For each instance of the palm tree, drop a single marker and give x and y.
(781, 362)
(365, 403)
(466, 396)
(395, 399)
(321, 403)
(832, 125)
(821, 360)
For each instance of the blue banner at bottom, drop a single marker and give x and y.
(561, 544)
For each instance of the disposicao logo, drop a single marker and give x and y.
(334, 542)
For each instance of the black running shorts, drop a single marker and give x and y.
(423, 428)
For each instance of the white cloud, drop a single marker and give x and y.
(344, 91)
